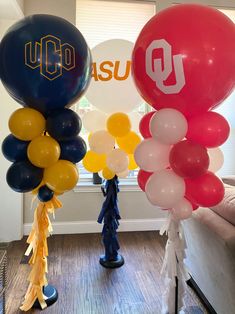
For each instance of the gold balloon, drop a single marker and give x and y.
(94, 162)
(132, 164)
(118, 124)
(62, 176)
(108, 174)
(129, 142)
(26, 124)
(43, 151)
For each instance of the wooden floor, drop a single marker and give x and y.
(85, 287)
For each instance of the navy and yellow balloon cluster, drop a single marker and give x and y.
(45, 65)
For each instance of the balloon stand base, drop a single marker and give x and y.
(52, 296)
(118, 262)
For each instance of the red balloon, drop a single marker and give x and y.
(206, 190)
(189, 159)
(173, 70)
(209, 129)
(144, 124)
(142, 178)
(193, 205)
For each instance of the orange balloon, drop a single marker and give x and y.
(118, 124)
(26, 124)
(94, 162)
(43, 151)
(129, 142)
(62, 176)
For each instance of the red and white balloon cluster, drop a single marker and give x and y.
(175, 162)
(178, 76)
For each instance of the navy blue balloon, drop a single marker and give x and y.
(63, 124)
(22, 176)
(45, 62)
(14, 149)
(73, 150)
(45, 194)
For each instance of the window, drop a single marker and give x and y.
(99, 21)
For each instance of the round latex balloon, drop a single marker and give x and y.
(182, 210)
(209, 129)
(142, 178)
(43, 151)
(117, 161)
(173, 71)
(101, 142)
(118, 124)
(189, 159)
(129, 142)
(14, 149)
(168, 126)
(144, 126)
(216, 159)
(45, 194)
(206, 190)
(94, 120)
(132, 164)
(26, 124)
(94, 162)
(151, 155)
(112, 88)
(23, 177)
(45, 62)
(165, 189)
(62, 176)
(73, 149)
(63, 124)
(107, 174)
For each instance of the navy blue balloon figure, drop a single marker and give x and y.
(14, 149)
(73, 149)
(45, 62)
(110, 216)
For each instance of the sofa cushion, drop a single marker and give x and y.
(226, 208)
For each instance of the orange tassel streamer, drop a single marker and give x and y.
(37, 241)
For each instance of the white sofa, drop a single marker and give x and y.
(210, 237)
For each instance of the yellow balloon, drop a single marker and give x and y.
(43, 151)
(26, 124)
(118, 124)
(129, 142)
(108, 174)
(132, 164)
(94, 162)
(62, 176)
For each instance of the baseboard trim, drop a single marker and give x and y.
(73, 227)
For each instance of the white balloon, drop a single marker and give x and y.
(112, 87)
(101, 142)
(182, 210)
(123, 174)
(216, 159)
(117, 160)
(165, 189)
(151, 155)
(135, 118)
(168, 126)
(94, 121)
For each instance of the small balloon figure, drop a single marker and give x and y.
(110, 216)
(45, 65)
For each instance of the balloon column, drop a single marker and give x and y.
(45, 66)
(177, 75)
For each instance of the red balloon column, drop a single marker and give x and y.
(183, 69)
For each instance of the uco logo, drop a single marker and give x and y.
(39, 55)
(159, 72)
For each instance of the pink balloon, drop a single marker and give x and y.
(142, 178)
(144, 124)
(151, 155)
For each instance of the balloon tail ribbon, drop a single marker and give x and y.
(37, 241)
(173, 265)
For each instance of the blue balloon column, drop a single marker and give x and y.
(110, 216)
(45, 64)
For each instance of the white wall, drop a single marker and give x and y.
(11, 215)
